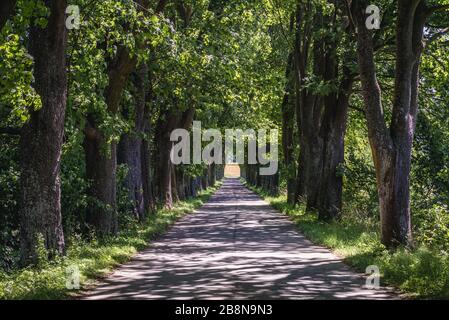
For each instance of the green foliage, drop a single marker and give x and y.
(17, 95)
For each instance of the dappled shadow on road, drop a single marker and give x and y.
(235, 247)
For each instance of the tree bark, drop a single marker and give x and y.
(101, 156)
(288, 112)
(333, 133)
(42, 137)
(166, 124)
(212, 174)
(147, 178)
(101, 168)
(131, 145)
(103, 206)
(391, 147)
(309, 108)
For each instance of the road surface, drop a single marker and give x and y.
(235, 247)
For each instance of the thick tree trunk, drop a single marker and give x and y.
(300, 188)
(41, 140)
(130, 153)
(174, 183)
(392, 146)
(101, 168)
(147, 185)
(101, 173)
(314, 170)
(333, 132)
(205, 179)
(331, 188)
(166, 124)
(181, 184)
(212, 174)
(165, 176)
(131, 144)
(134, 148)
(309, 108)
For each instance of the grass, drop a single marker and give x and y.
(420, 273)
(94, 259)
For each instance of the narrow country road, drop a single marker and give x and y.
(235, 247)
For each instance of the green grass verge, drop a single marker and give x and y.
(421, 273)
(94, 259)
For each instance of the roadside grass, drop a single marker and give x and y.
(421, 273)
(94, 259)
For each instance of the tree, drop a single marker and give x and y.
(392, 145)
(133, 149)
(340, 75)
(310, 70)
(101, 153)
(41, 139)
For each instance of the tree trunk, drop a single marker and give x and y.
(309, 107)
(165, 176)
(288, 113)
(101, 156)
(170, 120)
(166, 124)
(147, 185)
(212, 175)
(131, 144)
(333, 132)
(391, 147)
(174, 183)
(101, 168)
(129, 153)
(314, 170)
(42, 138)
(205, 179)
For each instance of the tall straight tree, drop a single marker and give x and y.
(392, 145)
(41, 138)
(134, 149)
(101, 154)
(288, 123)
(333, 128)
(309, 63)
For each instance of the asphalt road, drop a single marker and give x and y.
(235, 247)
